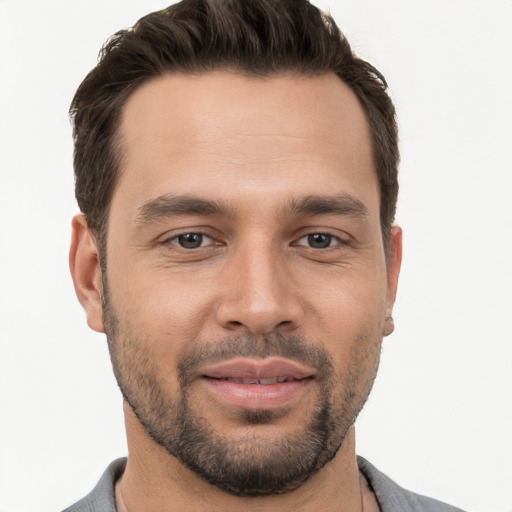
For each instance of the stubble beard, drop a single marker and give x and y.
(254, 464)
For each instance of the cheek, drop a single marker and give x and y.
(350, 303)
(351, 318)
(160, 308)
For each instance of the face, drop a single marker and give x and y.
(247, 290)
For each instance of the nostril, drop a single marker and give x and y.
(258, 318)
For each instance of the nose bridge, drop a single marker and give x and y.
(260, 295)
(261, 277)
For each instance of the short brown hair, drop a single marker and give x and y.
(255, 37)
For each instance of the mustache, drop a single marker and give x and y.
(294, 348)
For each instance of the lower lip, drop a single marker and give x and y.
(257, 396)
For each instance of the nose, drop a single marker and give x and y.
(259, 293)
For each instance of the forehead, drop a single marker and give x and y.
(225, 134)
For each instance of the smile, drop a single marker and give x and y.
(264, 382)
(257, 384)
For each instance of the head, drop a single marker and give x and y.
(264, 38)
(236, 170)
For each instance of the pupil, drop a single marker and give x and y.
(190, 240)
(319, 240)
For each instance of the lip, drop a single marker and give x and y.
(257, 384)
(257, 369)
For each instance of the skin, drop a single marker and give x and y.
(255, 145)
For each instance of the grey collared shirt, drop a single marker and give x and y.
(390, 496)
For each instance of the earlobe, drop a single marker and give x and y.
(84, 263)
(393, 271)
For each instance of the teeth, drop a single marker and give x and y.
(268, 381)
(264, 382)
(250, 381)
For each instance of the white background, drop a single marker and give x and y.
(440, 417)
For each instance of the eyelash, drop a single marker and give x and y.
(331, 238)
(174, 240)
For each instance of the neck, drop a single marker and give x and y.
(155, 480)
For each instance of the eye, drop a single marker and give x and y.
(191, 240)
(318, 240)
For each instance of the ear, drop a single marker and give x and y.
(84, 263)
(393, 270)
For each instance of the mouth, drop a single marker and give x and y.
(257, 384)
(263, 382)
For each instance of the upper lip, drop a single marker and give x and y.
(268, 368)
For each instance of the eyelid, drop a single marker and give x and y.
(339, 239)
(306, 244)
(172, 238)
(206, 240)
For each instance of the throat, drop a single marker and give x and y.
(118, 492)
(369, 501)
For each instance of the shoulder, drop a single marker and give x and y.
(102, 497)
(393, 498)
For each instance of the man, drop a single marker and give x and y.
(236, 170)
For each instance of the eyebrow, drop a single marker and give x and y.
(166, 206)
(343, 204)
(170, 206)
